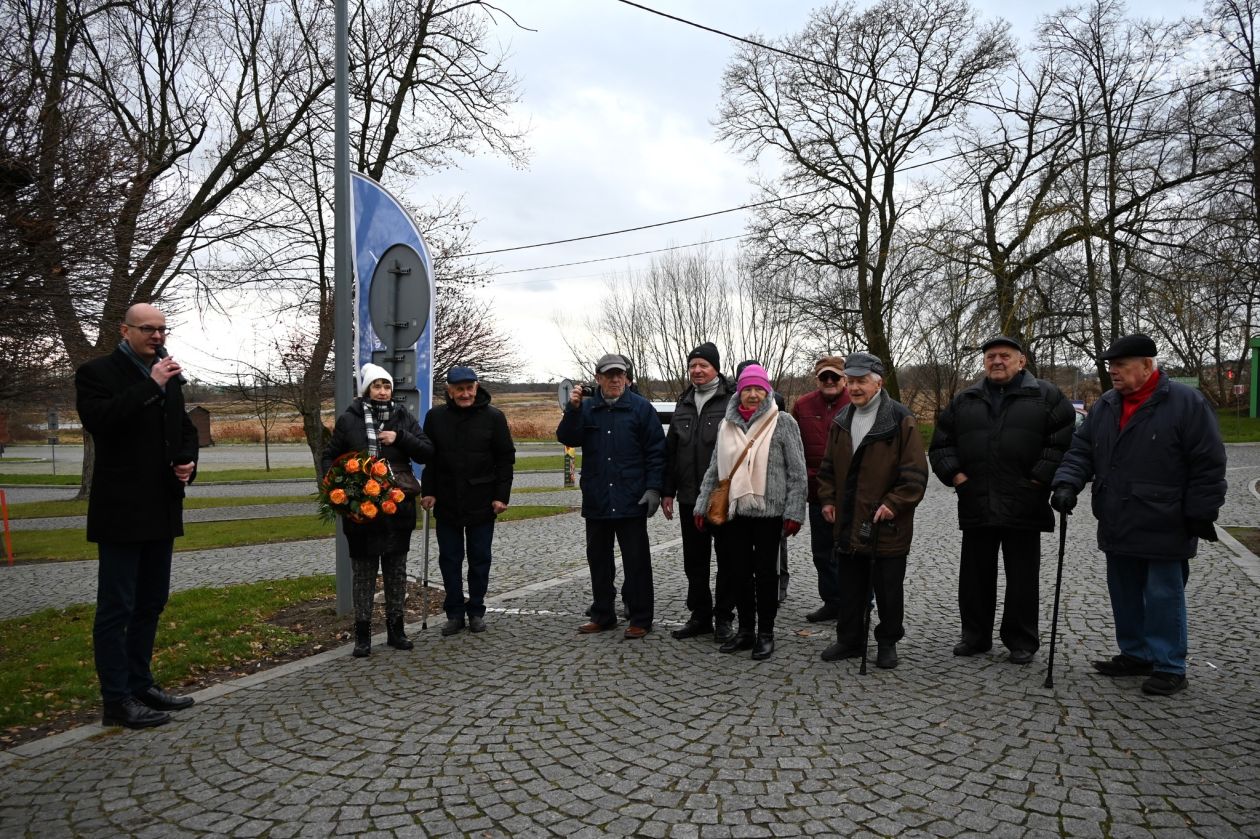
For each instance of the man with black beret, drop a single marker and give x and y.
(688, 450)
(998, 444)
(1153, 450)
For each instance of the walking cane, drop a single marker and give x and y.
(424, 619)
(870, 593)
(1058, 586)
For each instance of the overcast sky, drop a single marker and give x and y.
(619, 105)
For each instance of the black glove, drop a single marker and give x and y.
(1063, 499)
(1201, 528)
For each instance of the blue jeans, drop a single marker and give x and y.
(133, 583)
(450, 539)
(822, 545)
(1148, 600)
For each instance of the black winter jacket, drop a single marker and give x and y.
(1165, 467)
(387, 534)
(140, 434)
(1009, 457)
(690, 441)
(473, 464)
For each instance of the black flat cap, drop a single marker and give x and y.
(1001, 340)
(1136, 345)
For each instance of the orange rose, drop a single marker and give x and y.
(372, 488)
(352, 465)
(380, 469)
(389, 507)
(397, 495)
(337, 496)
(367, 509)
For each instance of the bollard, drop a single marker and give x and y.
(4, 513)
(569, 462)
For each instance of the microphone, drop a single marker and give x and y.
(161, 353)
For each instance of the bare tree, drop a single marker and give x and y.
(843, 134)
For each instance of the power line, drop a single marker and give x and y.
(648, 226)
(787, 53)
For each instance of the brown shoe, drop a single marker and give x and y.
(634, 633)
(592, 627)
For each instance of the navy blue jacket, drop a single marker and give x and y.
(472, 467)
(623, 453)
(1166, 466)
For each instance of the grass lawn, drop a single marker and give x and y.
(71, 544)
(46, 659)
(544, 463)
(1249, 536)
(1238, 429)
(73, 507)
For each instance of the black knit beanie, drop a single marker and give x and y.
(709, 352)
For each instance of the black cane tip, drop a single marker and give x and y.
(1048, 683)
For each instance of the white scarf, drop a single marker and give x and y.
(748, 485)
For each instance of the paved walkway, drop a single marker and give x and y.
(532, 730)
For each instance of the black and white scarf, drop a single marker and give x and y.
(375, 414)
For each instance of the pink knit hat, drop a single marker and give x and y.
(754, 375)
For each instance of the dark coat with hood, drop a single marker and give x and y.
(1166, 467)
(1008, 455)
(690, 441)
(623, 453)
(386, 535)
(472, 466)
(889, 467)
(140, 434)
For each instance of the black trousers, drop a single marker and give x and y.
(856, 580)
(697, 548)
(748, 559)
(977, 586)
(636, 561)
(133, 583)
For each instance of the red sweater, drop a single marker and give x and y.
(814, 415)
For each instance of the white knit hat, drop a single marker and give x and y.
(370, 373)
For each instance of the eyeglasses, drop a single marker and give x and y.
(150, 330)
(828, 377)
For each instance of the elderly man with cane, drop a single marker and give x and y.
(872, 476)
(1152, 448)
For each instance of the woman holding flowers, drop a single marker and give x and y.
(378, 439)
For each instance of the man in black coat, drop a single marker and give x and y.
(132, 404)
(1152, 449)
(688, 450)
(467, 484)
(998, 444)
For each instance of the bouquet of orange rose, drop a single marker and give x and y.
(359, 487)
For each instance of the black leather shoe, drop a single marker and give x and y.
(838, 651)
(1123, 665)
(452, 626)
(692, 628)
(886, 658)
(1164, 684)
(723, 631)
(160, 700)
(963, 648)
(131, 713)
(823, 613)
(476, 623)
(1021, 656)
(742, 641)
(763, 647)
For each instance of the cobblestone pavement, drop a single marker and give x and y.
(532, 730)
